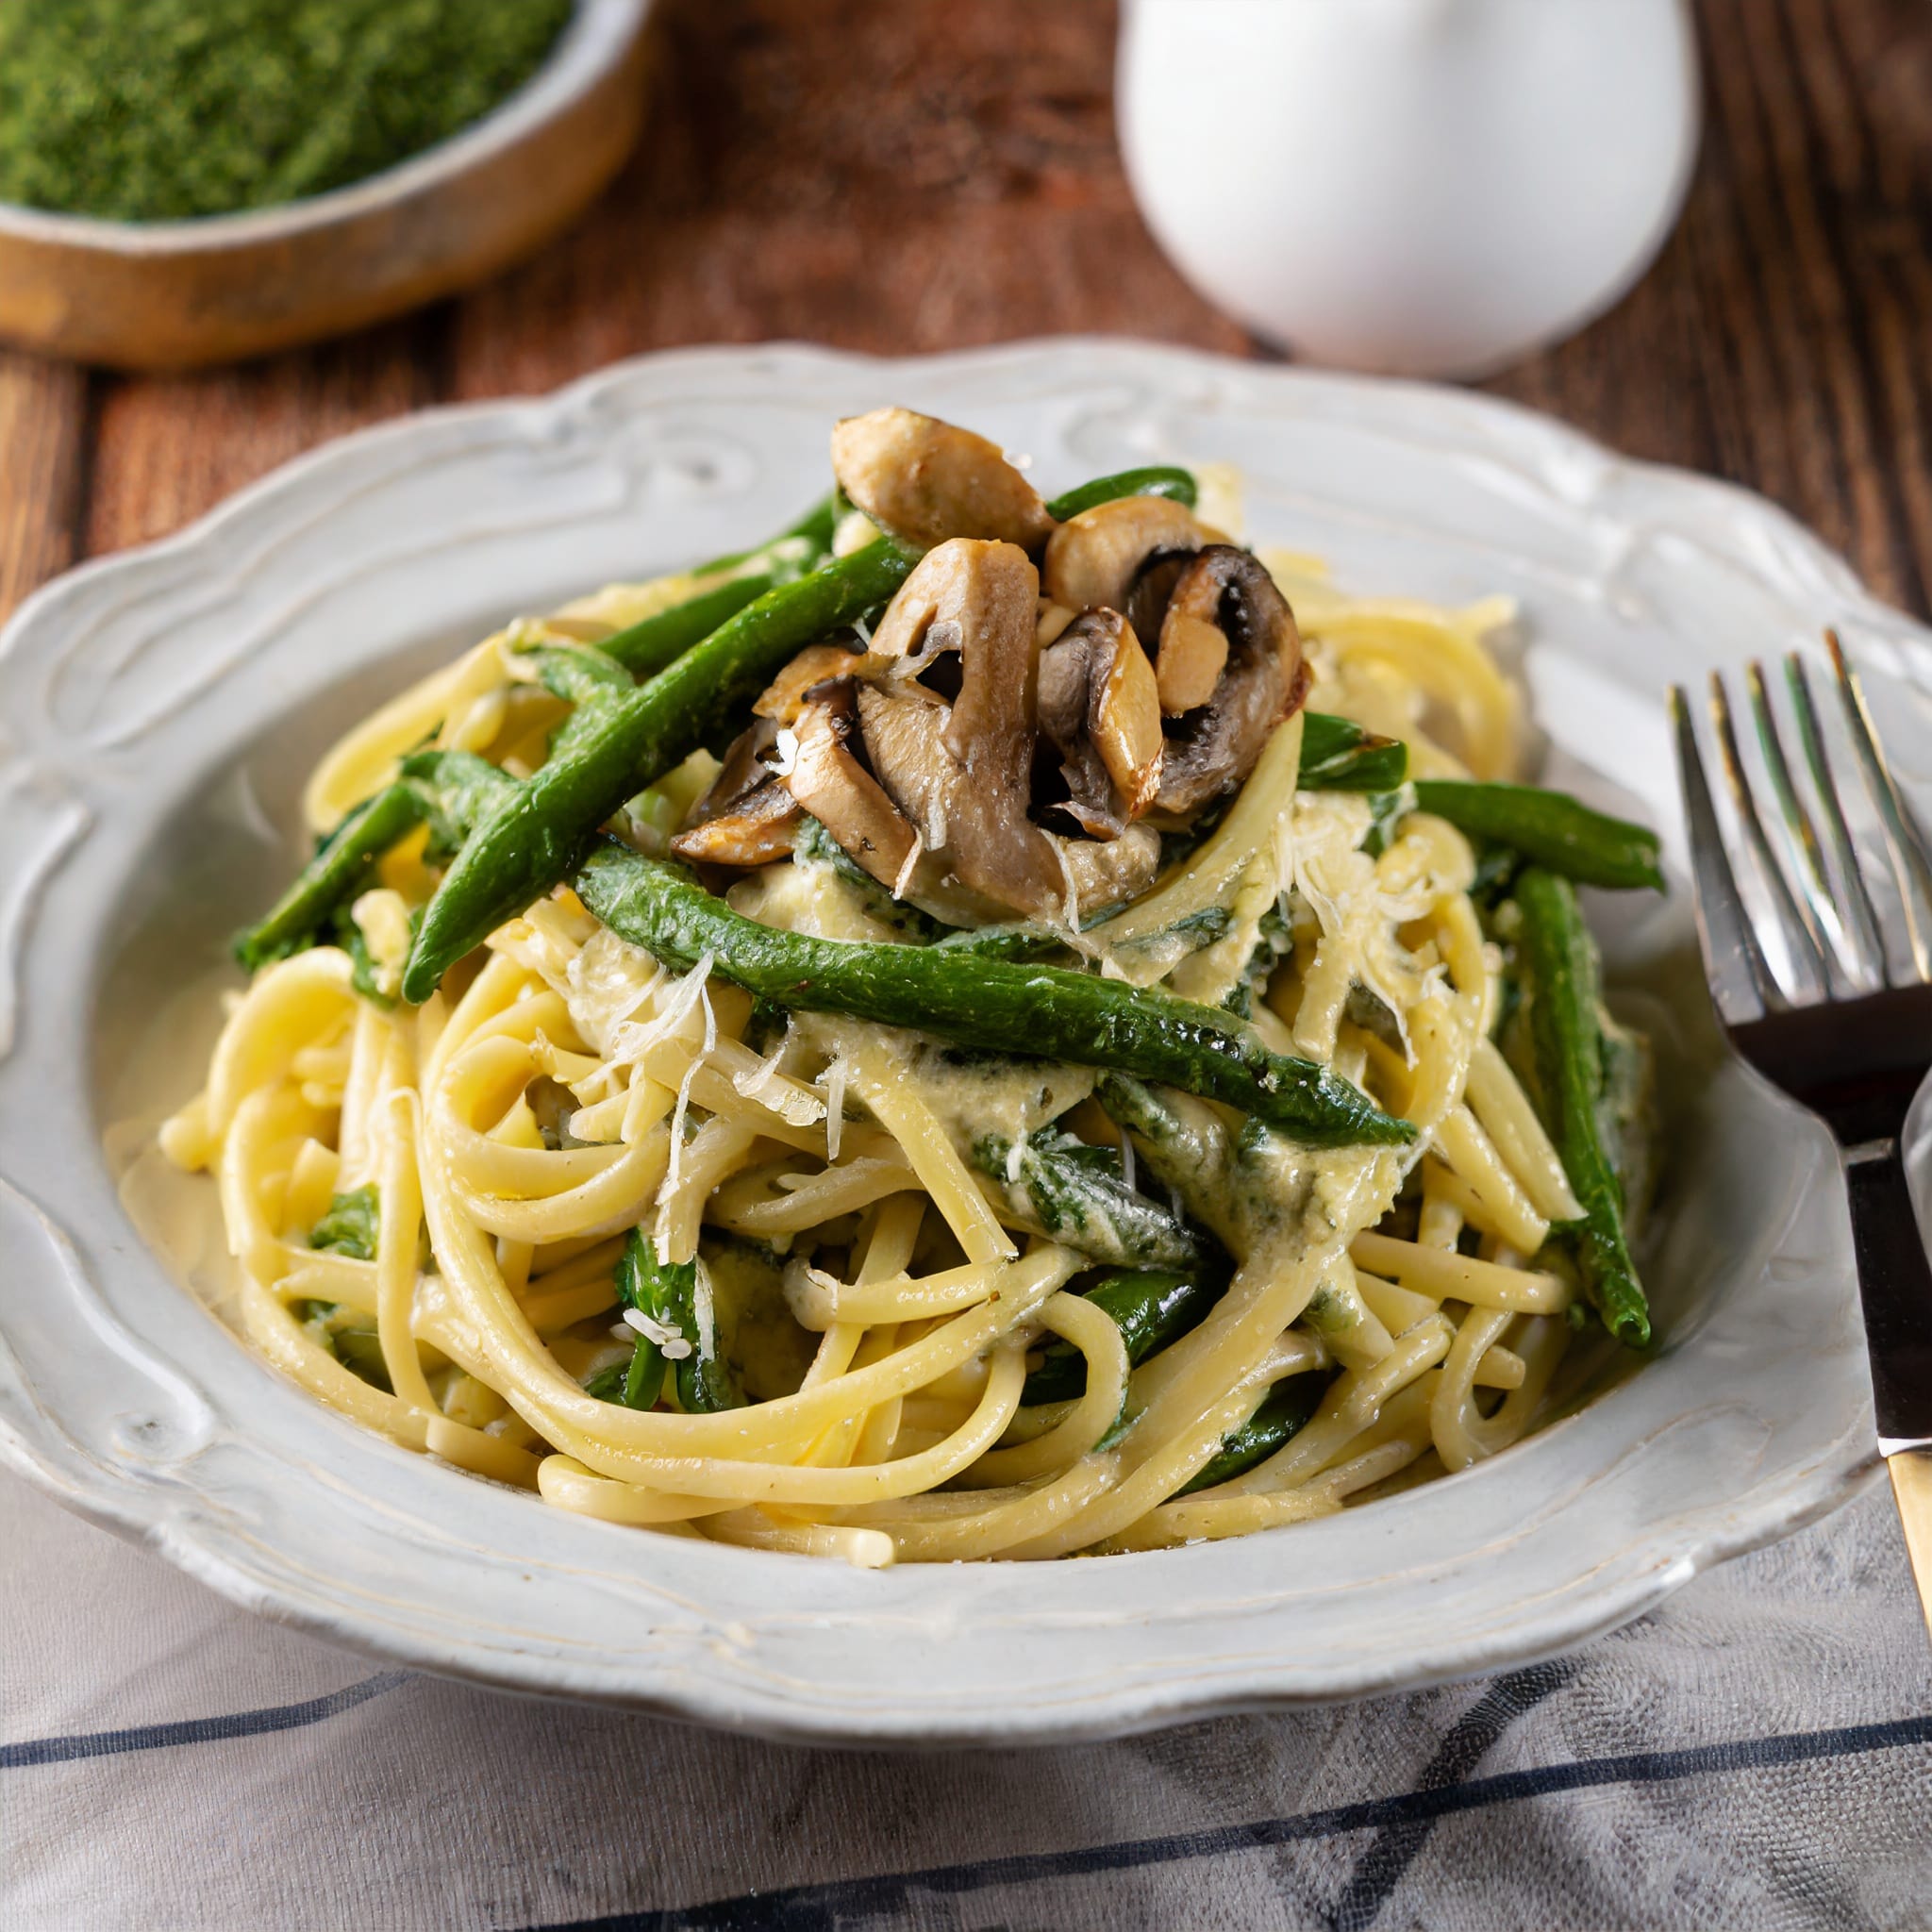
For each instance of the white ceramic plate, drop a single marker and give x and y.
(158, 711)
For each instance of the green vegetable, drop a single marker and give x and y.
(1338, 756)
(151, 110)
(1563, 1007)
(363, 974)
(349, 1336)
(1550, 828)
(1183, 1143)
(1385, 811)
(1150, 1307)
(667, 1292)
(654, 644)
(532, 840)
(1158, 480)
(1060, 1015)
(351, 1225)
(448, 790)
(1079, 1195)
(1018, 944)
(334, 875)
(1285, 1411)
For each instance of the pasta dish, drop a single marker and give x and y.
(984, 1026)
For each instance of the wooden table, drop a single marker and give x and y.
(903, 175)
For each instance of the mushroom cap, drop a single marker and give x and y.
(1212, 749)
(924, 480)
(1093, 558)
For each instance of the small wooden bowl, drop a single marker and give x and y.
(174, 294)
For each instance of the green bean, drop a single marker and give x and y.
(579, 673)
(1564, 1000)
(447, 788)
(532, 841)
(1019, 944)
(818, 526)
(1550, 828)
(1077, 1016)
(1185, 1146)
(1079, 1195)
(1338, 756)
(459, 788)
(653, 642)
(345, 860)
(1150, 1307)
(1284, 1412)
(1158, 480)
(666, 1293)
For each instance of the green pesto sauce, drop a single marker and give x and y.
(151, 110)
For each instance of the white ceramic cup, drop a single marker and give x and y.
(1424, 187)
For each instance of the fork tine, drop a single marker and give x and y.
(1861, 920)
(1817, 908)
(1724, 932)
(1903, 845)
(1801, 947)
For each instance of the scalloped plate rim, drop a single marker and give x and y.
(131, 1509)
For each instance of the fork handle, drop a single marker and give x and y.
(1895, 1286)
(1912, 1488)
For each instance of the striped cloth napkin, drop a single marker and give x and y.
(1758, 1754)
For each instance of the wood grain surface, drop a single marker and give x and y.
(899, 176)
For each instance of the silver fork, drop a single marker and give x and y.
(1828, 994)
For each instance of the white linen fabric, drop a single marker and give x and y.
(1758, 1754)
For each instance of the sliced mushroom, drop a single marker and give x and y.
(905, 731)
(1110, 873)
(1052, 619)
(1193, 654)
(746, 817)
(1214, 748)
(1096, 558)
(970, 810)
(926, 480)
(828, 780)
(749, 760)
(904, 734)
(784, 696)
(757, 830)
(1099, 707)
(991, 592)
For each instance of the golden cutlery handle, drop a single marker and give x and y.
(1911, 1484)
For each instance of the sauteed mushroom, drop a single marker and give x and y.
(747, 816)
(1212, 749)
(1096, 558)
(785, 695)
(924, 481)
(963, 774)
(1099, 707)
(905, 733)
(828, 779)
(1105, 872)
